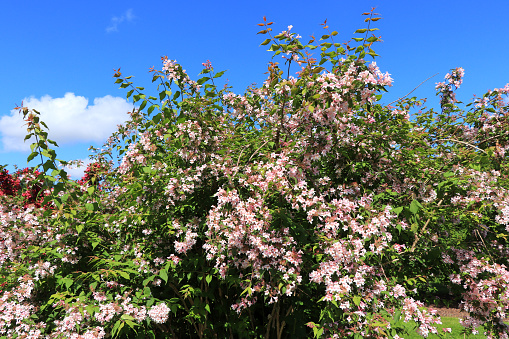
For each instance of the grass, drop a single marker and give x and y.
(447, 322)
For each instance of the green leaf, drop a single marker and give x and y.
(220, 74)
(201, 81)
(414, 227)
(116, 328)
(67, 282)
(273, 47)
(448, 174)
(397, 316)
(397, 210)
(126, 317)
(148, 280)
(248, 290)
(317, 331)
(32, 156)
(414, 206)
(95, 243)
(318, 70)
(362, 30)
(164, 275)
(151, 108)
(265, 42)
(48, 165)
(91, 309)
(131, 324)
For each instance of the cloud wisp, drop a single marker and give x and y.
(115, 21)
(70, 120)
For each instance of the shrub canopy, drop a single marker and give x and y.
(301, 207)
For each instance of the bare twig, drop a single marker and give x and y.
(493, 137)
(259, 148)
(412, 90)
(480, 237)
(272, 317)
(283, 323)
(464, 143)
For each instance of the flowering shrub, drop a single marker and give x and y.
(26, 186)
(92, 175)
(8, 185)
(301, 208)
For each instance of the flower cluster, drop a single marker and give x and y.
(445, 90)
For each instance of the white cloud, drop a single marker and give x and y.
(115, 21)
(70, 119)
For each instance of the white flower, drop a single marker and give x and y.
(159, 313)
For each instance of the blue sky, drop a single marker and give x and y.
(59, 56)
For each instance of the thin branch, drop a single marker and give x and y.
(494, 137)
(464, 143)
(480, 237)
(418, 235)
(283, 323)
(412, 90)
(272, 317)
(259, 148)
(240, 155)
(185, 305)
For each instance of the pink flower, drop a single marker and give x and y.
(159, 313)
(207, 64)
